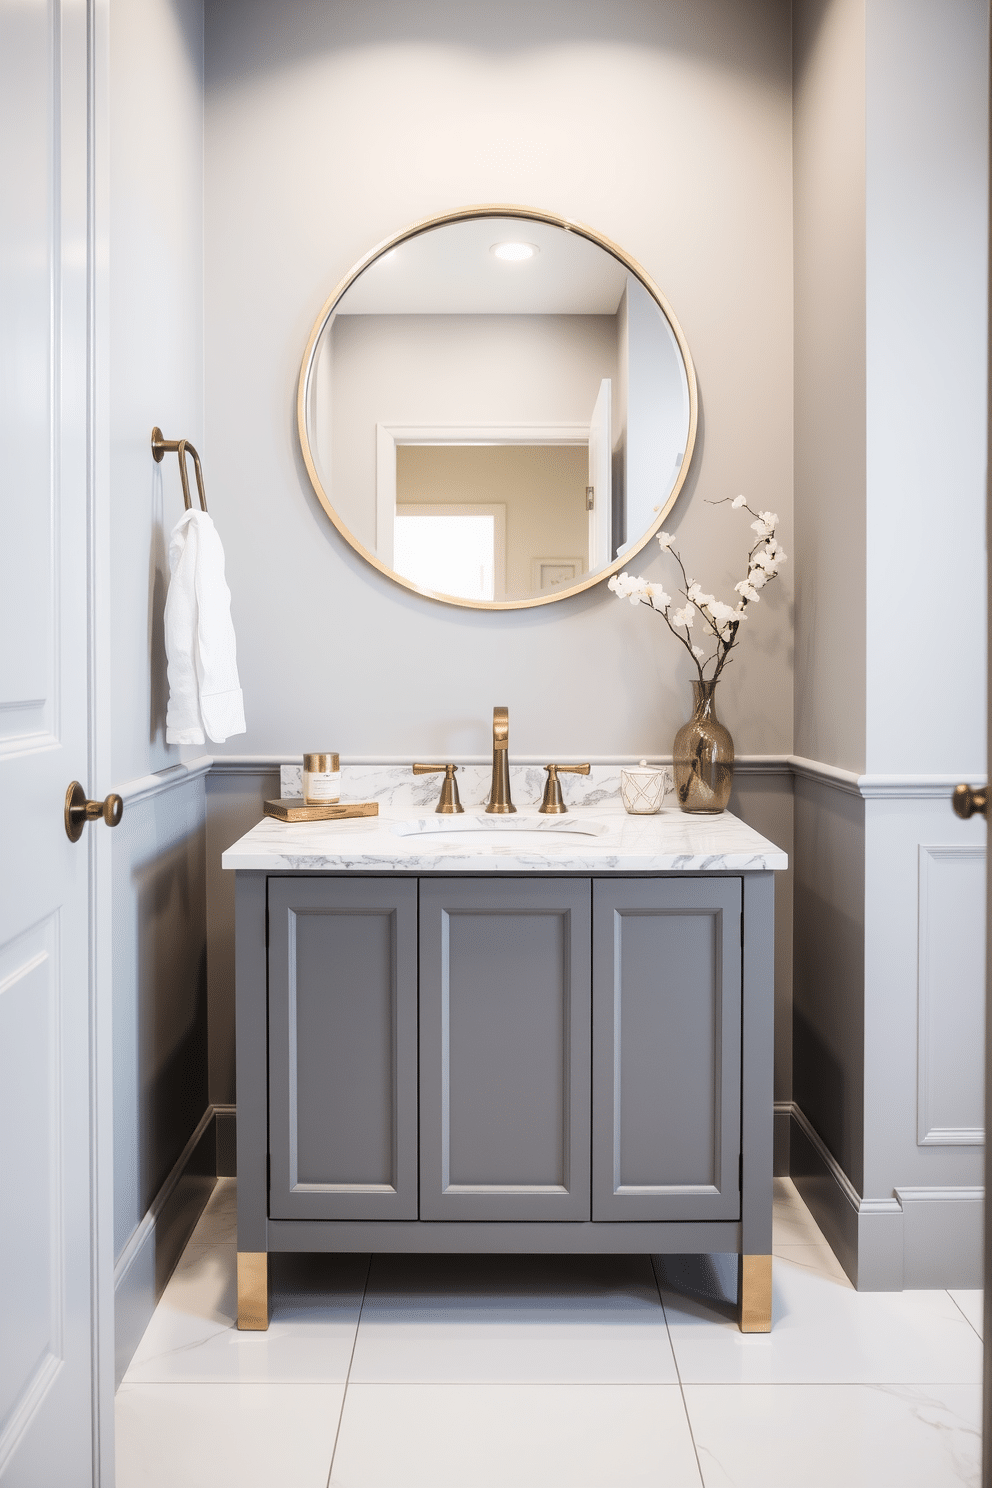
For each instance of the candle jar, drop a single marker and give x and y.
(321, 779)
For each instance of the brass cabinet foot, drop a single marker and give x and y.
(754, 1293)
(253, 1290)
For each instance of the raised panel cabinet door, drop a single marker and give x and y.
(666, 1049)
(342, 1048)
(504, 1049)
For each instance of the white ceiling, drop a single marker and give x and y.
(450, 271)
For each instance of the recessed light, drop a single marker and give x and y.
(514, 252)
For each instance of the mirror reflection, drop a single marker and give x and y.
(497, 410)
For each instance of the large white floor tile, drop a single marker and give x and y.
(792, 1222)
(192, 1335)
(514, 1436)
(972, 1305)
(819, 1258)
(553, 1319)
(218, 1224)
(822, 1330)
(822, 1436)
(226, 1436)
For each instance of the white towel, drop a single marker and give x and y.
(204, 691)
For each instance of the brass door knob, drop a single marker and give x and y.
(78, 811)
(967, 802)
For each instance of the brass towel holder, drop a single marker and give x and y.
(181, 447)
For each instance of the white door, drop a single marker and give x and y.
(600, 479)
(50, 1370)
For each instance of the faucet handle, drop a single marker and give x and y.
(553, 804)
(449, 804)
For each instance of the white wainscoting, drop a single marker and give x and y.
(951, 995)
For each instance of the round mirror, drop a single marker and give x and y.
(497, 408)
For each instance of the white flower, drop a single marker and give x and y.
(763, 528)
(699, 598)
(737, 503)
(664, 540)
(658, 597)
(770, 517)
(758, 578)
(629, 586)
(746, 590)
(721, 612)
(683, 617)
(698, 652)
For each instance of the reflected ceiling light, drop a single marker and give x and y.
(514, 252)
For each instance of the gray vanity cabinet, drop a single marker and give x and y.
(529, 1062)
(342, 1048)
(504, 1049)
(666, 1049)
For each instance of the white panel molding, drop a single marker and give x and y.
(37, 950)
(157, 1242)
(929, 995)
(144, 1231)
(146, 786)
(842, 1182)
(868, 787)
(745, 764)
(890, 787)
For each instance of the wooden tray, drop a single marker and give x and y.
(292, 809)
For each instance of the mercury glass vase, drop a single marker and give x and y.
(703, 756)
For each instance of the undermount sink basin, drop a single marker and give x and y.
(524, 830)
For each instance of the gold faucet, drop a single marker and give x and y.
(499, 794)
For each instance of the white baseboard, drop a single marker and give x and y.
(919, 1239)
(150, 1255)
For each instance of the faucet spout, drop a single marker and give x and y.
(499, 794)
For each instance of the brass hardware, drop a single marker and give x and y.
(182, 448)
(967, 802)
(471, 214)
(754, 1293)
(553, 805)
(253, 1290)
(499, 794)
(293, 809)
(449, 804)
(79, 811)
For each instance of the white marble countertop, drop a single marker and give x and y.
(671, 841)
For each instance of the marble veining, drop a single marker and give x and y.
(671, 841)
(397, 787)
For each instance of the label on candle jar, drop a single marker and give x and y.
(321, 786)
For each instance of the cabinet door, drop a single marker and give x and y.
(342, 1048)
(504, 1048)
(666, 1048)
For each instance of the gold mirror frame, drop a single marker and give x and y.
(465, 214)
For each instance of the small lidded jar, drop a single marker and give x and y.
(642, 790)
(321, 779)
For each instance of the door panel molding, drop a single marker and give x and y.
(504, 1049)
(666, 1049)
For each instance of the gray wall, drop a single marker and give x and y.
(828, 185)
(684, 159)
(155, 376)
(891, 172)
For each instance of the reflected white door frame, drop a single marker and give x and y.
(388, 436)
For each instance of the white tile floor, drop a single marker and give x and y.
(548, 1372)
